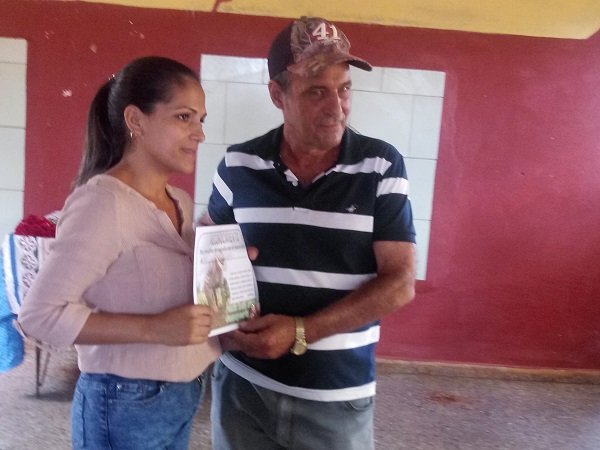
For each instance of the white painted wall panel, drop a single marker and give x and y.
(13, 93)
(400, 106)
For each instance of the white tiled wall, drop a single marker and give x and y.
(400, 106)
(13, 65)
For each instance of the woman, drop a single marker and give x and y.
(118, 281)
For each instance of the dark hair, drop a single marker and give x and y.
(143, 82)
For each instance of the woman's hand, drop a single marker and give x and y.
(185, 325)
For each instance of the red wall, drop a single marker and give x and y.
(513, 272)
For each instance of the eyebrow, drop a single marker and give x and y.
(322, 86)
(189, 108)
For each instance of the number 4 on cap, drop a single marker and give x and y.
(321, 32)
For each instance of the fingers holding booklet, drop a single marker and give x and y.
(223, 276)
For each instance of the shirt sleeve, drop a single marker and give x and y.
(393, 213)
(86, 244)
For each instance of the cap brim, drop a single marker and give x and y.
(315, 64)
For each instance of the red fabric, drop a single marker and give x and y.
(36, 226)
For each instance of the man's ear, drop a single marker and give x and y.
(133, 119)
(276, 94)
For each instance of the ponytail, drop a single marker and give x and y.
(100, 152)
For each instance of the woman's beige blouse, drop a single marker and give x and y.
(116, 252)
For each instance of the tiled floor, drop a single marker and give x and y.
(414, 411)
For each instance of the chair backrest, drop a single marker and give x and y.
(22, 257)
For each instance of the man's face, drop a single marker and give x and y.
(315, 109)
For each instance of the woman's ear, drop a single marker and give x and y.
(133, 120)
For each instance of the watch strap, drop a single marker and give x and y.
(299, 346)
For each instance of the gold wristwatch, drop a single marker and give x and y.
(299, 347)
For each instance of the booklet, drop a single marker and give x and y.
(223, 276)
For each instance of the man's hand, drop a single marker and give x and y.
(266, 337)
(206, 220)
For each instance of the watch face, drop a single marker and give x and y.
(299, 348)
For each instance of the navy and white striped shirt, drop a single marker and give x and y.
(315, 246)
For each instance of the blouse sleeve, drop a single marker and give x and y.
(87, 243)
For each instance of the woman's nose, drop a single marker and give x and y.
(198, 134)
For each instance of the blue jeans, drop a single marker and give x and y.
(112, 412)
(246, 416)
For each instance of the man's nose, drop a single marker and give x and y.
(335, 105)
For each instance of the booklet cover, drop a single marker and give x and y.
(223, 276)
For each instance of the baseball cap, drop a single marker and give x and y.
(308, 45)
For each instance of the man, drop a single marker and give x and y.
(328, 211)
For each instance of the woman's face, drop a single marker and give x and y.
(172, 132)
